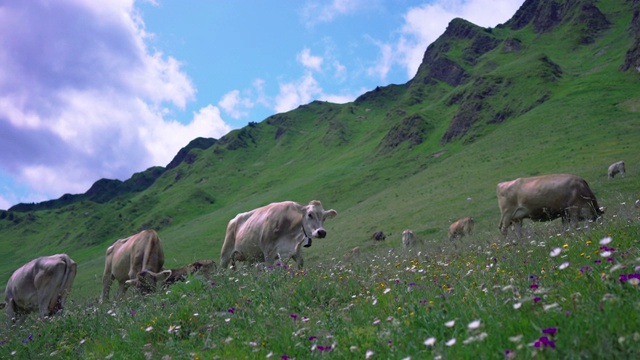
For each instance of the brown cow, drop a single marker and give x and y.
(126, 258)
(462, 227)
(169, 277)
(275, 231)
(545, 198)
(42, 284)
(351, 254)
(616, 168)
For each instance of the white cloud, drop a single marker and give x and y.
(309, 61)
(82, 97)
(296, 93)
(235, 105)
(322, 11)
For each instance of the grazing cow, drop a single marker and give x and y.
(545, 198)
(42, 284)
(616, 168)
(408, 239)
(378, 236)
(278, 230)
(353, 253)
(462, 227)
(169, 277)
(126, 258)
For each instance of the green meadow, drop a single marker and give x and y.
(387, 161)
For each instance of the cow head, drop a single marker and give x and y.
(147, 280)
(313, 217)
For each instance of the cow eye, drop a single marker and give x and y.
(310, 216)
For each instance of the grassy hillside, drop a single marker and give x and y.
(487, 105)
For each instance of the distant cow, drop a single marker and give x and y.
(42, 284)
(353, 253)
(408, 239)
(462, 227)
(378, 236)
(126, 258)
(616, 168)
(545, 198)
(171, 276)
(275, 231)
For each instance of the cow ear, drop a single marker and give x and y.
(330, 214)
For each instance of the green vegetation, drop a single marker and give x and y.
(418, 155)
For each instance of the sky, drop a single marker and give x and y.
(104, 89)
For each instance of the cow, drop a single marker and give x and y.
(42, 284)
(353, 253)
(408, 239)
(616, 168)
(378, 236)
(171, 276)
(545, 198)
(126, 258)
(275, 231)
(462, 227)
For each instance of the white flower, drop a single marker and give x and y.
(368, 354)
(564, 265)
(555, 252)
(634, 281)
(450, 323)
(148, 329)
(605, 241)
(550, 306)
(387, 290)
(430, 341)
(516, 338)
(474, 325)
(451, 342)
(605, 253)
(517, 305)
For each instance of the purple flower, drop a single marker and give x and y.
(536, 299)
(294, 316)
(212, 283)
(550, 331)
(285, 357)
(533, 286)
(311, 338)
(231, 310)
(132, 312)
(598, 261)
(585, 269)
(324, 348)
(544, 342)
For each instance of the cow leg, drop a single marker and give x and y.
(66, 287)
(505, 222)
(11, 312)
(122, 289)
(107, 280)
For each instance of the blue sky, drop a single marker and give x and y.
(103, 89)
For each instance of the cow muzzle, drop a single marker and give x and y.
(320, 233)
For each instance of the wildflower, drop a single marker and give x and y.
(386, 290)
(550, 331)
(294, 316)
(368, 354)
(550, 306)
(148, 329)
(284, 356)
(536, 299)
(474, 325)
(566, 246)
(517, 305)
(430, 341)
(564, 265)
(376, 321)
(510, 354)
(450, 323)
(555, 252)
(324, 348)
(231, 310)
(544, 342)
(132, 312)
(451, 342)
(605, 253)
(605, 241)
(533, 286)
(516, 338)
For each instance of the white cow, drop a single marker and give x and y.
(127, 258)
(408, 239)
(42, 284)
(616, 168)
(274, 231)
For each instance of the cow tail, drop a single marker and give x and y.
(229, 244)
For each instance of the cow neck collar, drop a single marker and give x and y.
(307, 239)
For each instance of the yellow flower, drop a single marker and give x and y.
(566, 246)
(588, 242)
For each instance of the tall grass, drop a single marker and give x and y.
(551, 295)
